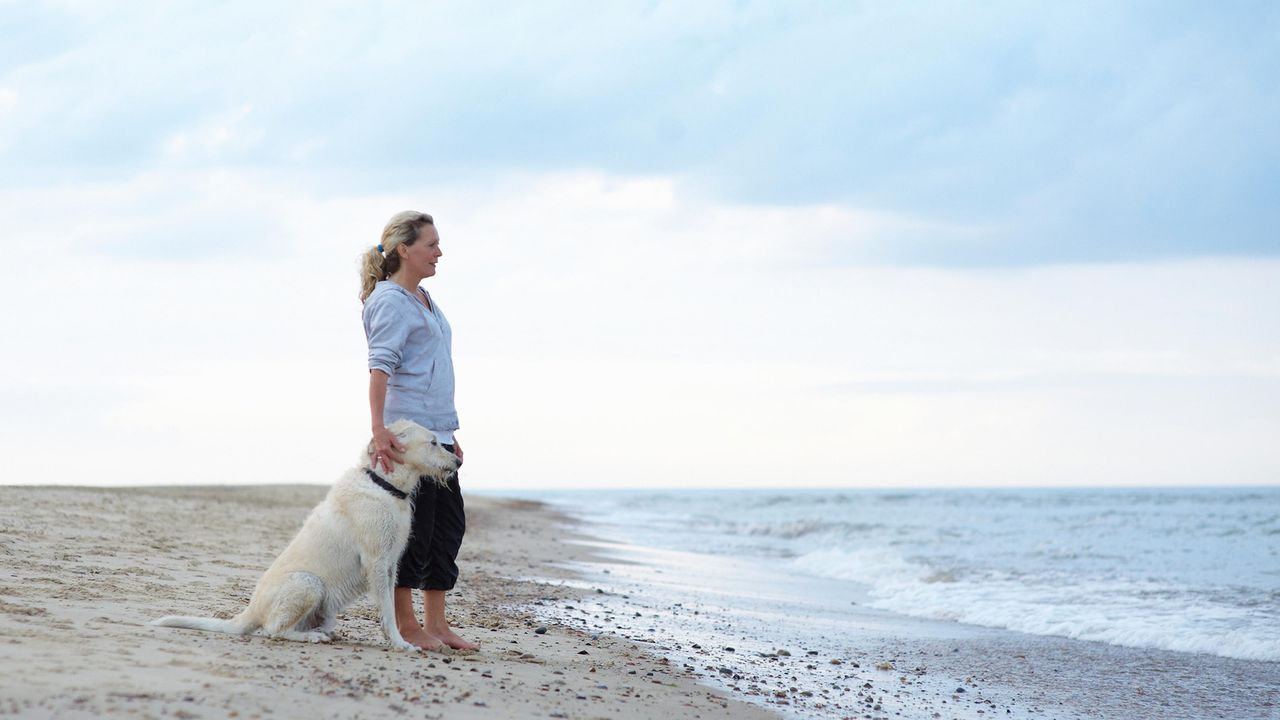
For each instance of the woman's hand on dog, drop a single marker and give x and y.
(386, 449)
(457, 449)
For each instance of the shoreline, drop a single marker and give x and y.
(749, 626)
(82, 570)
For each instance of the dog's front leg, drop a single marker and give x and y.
(328, 624)
(380, 588)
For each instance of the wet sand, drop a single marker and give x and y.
(82, 570)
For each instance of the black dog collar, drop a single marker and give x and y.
(400, 494)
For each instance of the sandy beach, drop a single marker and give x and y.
(83, 570)
(571, 627)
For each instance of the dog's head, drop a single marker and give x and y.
(423, 454)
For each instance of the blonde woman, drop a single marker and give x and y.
(411, 376)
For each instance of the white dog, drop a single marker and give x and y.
(351, 542)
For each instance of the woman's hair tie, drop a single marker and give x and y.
(379, 247)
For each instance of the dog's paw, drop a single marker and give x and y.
(316, 636)
(405, 646)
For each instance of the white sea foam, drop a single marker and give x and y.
(1193, 570)
(1119, 612)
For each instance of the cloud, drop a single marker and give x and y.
(598, 317)
(1058, 133)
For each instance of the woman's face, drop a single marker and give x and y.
(420, 258)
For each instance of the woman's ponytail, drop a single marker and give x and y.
(372, 269)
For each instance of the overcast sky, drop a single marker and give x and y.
(712, 244)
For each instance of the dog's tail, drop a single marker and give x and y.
(238, 625)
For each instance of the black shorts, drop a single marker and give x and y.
(439, 522)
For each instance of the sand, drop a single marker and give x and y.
(82, 570)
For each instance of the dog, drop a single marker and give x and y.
(351, 543)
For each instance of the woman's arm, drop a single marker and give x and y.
(386, 449)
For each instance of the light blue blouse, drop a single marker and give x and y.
(414, 347)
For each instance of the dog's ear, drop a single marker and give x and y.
(407, 437)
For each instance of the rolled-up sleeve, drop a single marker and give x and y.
(386, 332)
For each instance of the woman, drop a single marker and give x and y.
(411, 376)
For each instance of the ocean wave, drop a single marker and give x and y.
(794, 529)
(785, 530)
(1131, 613)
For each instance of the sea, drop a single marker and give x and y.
(725, 581)
(1189, 570)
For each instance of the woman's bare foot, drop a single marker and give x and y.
(421, 638)
(407, 623)
(450, 638)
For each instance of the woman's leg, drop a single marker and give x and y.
(413, 568)
(442, 570)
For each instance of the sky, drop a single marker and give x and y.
(699, 244)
